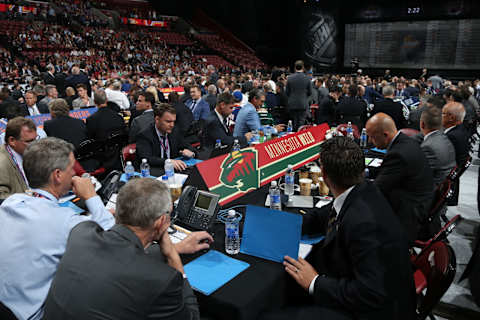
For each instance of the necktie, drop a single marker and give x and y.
(331, 219)
(192, 107)
(225, 124)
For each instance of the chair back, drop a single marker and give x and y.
(343, 129)
(436, 268)
(86, 149)
(409, 132)
(128, 154)
(440, 197)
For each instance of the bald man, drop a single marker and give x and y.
(405, 178)
(453, 114)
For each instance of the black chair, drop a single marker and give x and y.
(5, 313)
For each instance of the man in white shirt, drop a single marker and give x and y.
(115, 95)
(31, 103)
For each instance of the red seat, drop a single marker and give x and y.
(304, 127)
(409, 132)
(128, 153)
(343, 129)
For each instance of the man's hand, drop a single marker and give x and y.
(179, 165)
(187, 153)
(170, 253)
(83, 187)
(300, 270)
(194, 242)
(279, 127)
(248, 136)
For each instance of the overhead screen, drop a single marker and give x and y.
(445, 44)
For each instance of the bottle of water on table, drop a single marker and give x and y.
(129, 170)
(275, 198)
(350, 130)
(289, 126)
(169, 171)
(236, 145)
(232, 236)
(218, 144)
(289, 181)
(363, 138)
(145, 169)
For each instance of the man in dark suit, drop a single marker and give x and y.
(135, 277)
(184, 115)
(63, 126)
(77, 77)
(217, 124)
(393, 109)
(351, 109)
(405, 177)
(145, 103)
(298, 89)
(211, 96)
(197, 105)
(49, 76)
(361, 270)
(326, 107)
(60, 78)
(161, 141)
(453, 114)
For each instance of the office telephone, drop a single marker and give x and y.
(196, 209)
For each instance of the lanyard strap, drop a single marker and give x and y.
(16, 163)
(165, 146)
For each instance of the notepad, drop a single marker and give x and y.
(376, 163)
(271, 234)
(212, 270)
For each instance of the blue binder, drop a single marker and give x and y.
(212, 270)
(271, 234)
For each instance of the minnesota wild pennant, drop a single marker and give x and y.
(235, 174)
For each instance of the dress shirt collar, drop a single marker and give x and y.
(148, 110)
(160, 135)
(46, 194)
(33, 110)
(220, 117)
(391, 142)
(448, 129)
(429, 134)
(340, 200)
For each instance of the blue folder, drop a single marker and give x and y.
(212, 270)
(307, 239)
(271, 234)
(384, 151)
(190, 162)
(71, 205)
(123, 177)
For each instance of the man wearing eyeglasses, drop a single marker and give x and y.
(18, 134)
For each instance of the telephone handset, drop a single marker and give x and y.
(196, 209)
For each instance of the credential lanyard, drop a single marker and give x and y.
(16, 163)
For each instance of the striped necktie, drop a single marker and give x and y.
(332, 217)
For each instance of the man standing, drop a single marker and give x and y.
(391, 108)
(105, 121)
(30, 262)
(18, 134)
(115, 95)
(211, 96)
(217, 125)
(145, 103)
(161, 141)
(299, 88)
(52, 93)
(362, 269)
(405, 177)
(197, 105)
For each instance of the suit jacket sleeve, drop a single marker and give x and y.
(5, 181)
(215, 131)
(176, 302)
(205, 110)
(133, 131)
(367, 289)
(430, 155)
(315, 222)
(392, 172)
(252, 121)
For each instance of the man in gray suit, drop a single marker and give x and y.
(436, 146)
(299, 88)
(132, 271)
(145, 103)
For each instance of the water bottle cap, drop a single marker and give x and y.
(144, 160)
(273, 183)
(235, 141)
(231, 213)
(129, 163)
(218, 140)
(164, 177)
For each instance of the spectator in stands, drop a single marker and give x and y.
(212, 74)
(145, 104)
(52, 93)
(221, 86)
(362, 269)
(197, 105)
(70, 96)
(298, 89)
(270, 98)
(211, 96)
(391, 108)
(351, 109)
(116, 96)
(248, 119)
(18, 134)
(27, 274)
(161, 141)
(63, 126)
(60, 78)
(159, 290)
(405, 177)
(49, 76)
(83, 100)
(30, 107)
(217, 125)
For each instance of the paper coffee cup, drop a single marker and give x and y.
(315, 174)
(305, 186)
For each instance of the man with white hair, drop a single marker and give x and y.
(115, 95)
(391, 108)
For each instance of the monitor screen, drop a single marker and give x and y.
(203, 201)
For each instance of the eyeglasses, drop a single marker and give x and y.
(31, 140)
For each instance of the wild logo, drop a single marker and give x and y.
(239, 170)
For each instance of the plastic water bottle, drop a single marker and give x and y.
(289, 126)
(232, 237)
(129, 170)
(363, 138)
(169, 171)
(268, 133)
(275, 198)
(236, 145)
(165, 179)
(350, 130)
(218, 144)
(145, 169)
(289, 181)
